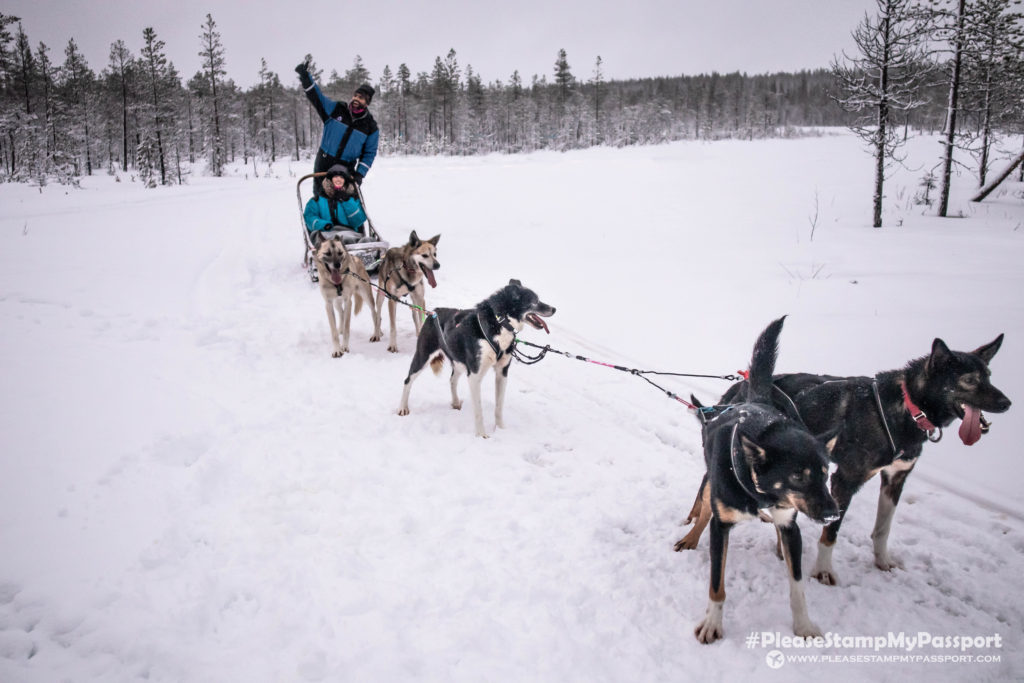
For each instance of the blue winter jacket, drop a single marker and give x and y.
(347, 213)
(347, 139)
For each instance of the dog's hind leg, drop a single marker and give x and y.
(792, 547)
(710, 629)
(338, 352)
(893, 478)
(457, 371)
(701, 511)
(418, 365)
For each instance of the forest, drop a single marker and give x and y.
(62, 118)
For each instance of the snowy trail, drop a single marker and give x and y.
(194, 490)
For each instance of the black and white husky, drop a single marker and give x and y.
(476, 340)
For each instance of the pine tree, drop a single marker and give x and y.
(597, 80)
(79, 86)
(121, 71)
(212, 53)
(153, 69)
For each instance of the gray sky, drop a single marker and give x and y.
(634, 39)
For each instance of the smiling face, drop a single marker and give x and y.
(963, 379)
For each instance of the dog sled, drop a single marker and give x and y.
(370, 253)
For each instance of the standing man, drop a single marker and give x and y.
(350, 133)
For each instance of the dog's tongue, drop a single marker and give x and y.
(429, 274)
(970, 428)
(540, 321)
(336, 277)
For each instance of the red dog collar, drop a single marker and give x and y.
(920, 419)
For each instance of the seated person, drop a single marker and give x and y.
(337, 210)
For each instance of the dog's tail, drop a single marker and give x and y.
(363, 293)
(762, 363)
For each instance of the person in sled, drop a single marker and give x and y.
(350, 132)
(336, 209)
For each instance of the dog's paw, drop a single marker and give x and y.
(337, 353)
(708, 631)
(499, 424)
(393, 348)
(686, 543)
(806, 629)
(886, 563)
(376, 338)
(826, 576)
(457, 405)
(403, 411)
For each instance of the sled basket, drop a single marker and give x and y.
(370, 253)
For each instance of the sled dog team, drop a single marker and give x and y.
(768, 443)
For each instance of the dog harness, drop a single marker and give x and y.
(502, 322)
(760, 498)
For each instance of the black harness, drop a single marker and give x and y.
(503, 323)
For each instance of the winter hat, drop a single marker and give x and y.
(337, 169)
(367, 91)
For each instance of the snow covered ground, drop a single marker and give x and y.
(192, 489)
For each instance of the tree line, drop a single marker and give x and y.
(61, 119)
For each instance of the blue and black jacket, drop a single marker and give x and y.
(323, 213)
(348, 140)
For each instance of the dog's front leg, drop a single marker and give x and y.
(417, 314)
(393, 339)
(338, 352)
(500, 382)
(792, 550)
(346, 321)
(893, 478)
(475, 379)
(842, 493)
(710, 629)
(378, 312)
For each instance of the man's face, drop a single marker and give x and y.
(358, 101)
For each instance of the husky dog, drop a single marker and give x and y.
(476, 340)
(402, 272)
(342, 279)
(882, 422)
(760, 458)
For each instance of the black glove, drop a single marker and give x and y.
(358, 179)
(304, 77)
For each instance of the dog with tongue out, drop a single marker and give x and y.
(882, 423)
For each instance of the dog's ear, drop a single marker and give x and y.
(829, 440)
(752, 453)
(434, 240)
(989, 350)
(940, 352)
(515, 283)
(414, 240)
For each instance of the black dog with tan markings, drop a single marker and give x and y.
(760, 458)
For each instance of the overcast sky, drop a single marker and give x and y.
(634, 39)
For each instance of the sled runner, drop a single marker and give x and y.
(370, 253)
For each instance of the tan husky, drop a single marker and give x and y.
(402, 272)
(343, 278)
